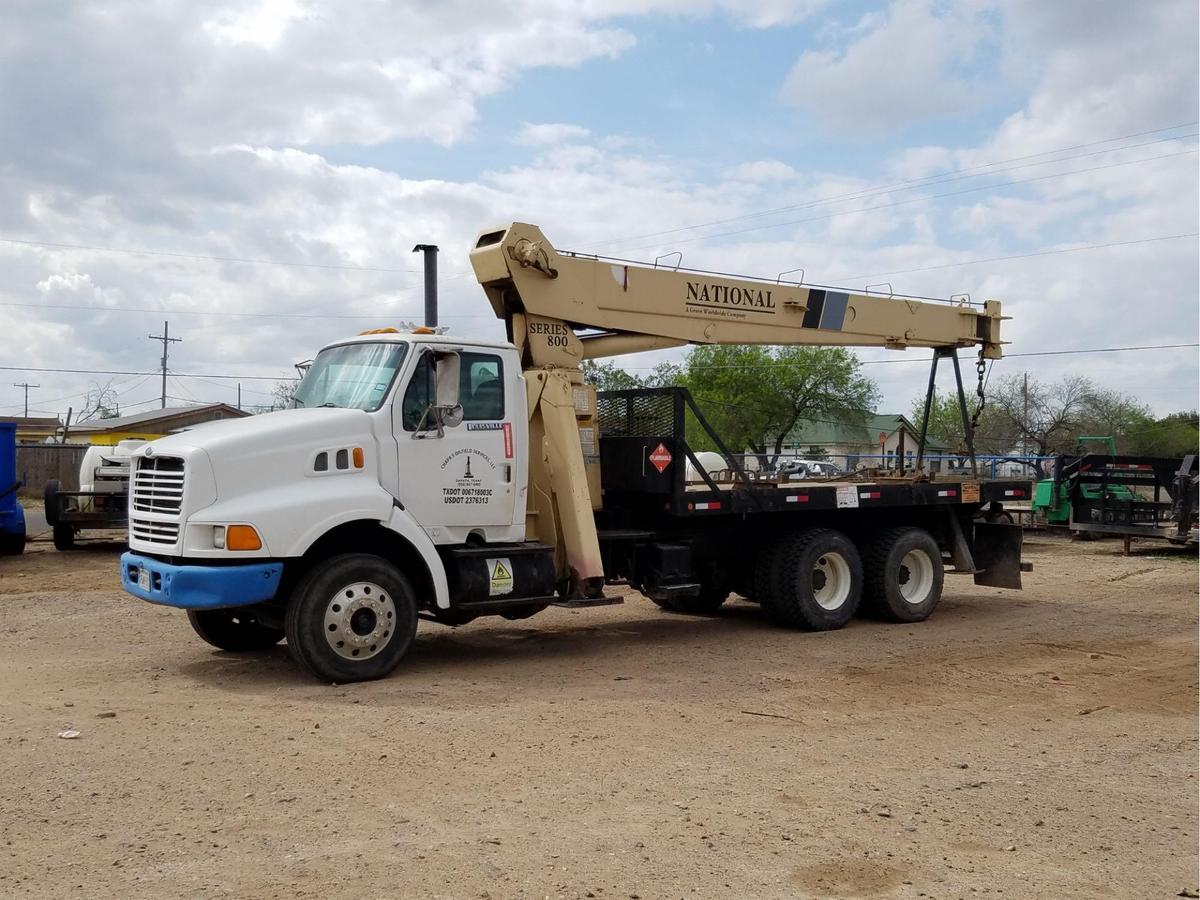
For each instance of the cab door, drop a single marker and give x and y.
(463, 478)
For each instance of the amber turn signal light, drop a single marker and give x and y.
(242, 537)
(357, 453)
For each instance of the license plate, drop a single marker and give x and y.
(144, 579)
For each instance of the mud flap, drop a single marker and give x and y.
(997, 554)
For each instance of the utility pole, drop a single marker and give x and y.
(167, 340)
(1025, 416)
(27, 386)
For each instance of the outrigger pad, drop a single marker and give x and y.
(997, 554)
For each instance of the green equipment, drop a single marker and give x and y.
(1052, 496)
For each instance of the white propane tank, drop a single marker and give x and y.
(106, 469)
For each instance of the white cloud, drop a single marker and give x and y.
(894, 73)
(761, 170)
(549, 133)
(148, 131)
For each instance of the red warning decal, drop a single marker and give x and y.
(660, 457)
(508, 447)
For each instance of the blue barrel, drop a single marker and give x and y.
(12, 517)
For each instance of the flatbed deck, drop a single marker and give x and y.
(644, 453)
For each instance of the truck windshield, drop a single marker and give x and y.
(352, 376)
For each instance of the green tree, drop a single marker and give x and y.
(607, 376)
(992, 436)
(1174, 435)
(1027, 417)
(754, 396)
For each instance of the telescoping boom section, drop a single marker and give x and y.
(547, 296)
(561, 308)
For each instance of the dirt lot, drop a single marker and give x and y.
(1036, 744)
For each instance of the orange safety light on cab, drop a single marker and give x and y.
(242, 537)
(424, 329)
(388, 330)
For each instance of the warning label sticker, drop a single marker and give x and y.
(660, 457)
(847, 496)
(970, 492)
(500, 579)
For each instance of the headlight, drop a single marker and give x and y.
(219, 537)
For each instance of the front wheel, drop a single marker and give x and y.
(351, 618)
(236, 630)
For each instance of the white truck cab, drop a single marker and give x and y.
(407, 442)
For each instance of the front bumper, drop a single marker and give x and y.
(200, 587)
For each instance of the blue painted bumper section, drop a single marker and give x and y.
(200, 587)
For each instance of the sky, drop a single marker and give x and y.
(258, 172)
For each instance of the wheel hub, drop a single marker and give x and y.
(831, 581)
(915, 576)
(360, 620)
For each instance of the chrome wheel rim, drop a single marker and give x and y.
(360, 620)
(831, 581)
(916, 576)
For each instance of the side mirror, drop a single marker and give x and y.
(445, 411)
(446, 380)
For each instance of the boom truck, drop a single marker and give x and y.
(430, 476)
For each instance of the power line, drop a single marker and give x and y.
(916, 359)
(219, 315)
(938, 178)
(117, 372)
(972, 262)
(135, 251)
(926, 197)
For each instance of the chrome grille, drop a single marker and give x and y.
(154, 532)
(158, 485)
(156, 500)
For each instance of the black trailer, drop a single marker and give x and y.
(687, 542)
(69, 512)
(1136, 497)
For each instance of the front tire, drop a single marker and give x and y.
(236, 630)
(353, 617)
(904, 575)
(815, 581)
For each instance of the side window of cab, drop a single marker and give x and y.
(480, 390)
(481, 387)
(418, 394)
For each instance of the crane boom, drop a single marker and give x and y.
(560, 309)
(547, 296)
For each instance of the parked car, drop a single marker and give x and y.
(808, 469)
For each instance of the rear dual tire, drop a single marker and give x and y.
(904, 575)
(810, 580)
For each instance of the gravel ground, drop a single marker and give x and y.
(1034, 744)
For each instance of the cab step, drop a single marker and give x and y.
(590, 601)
